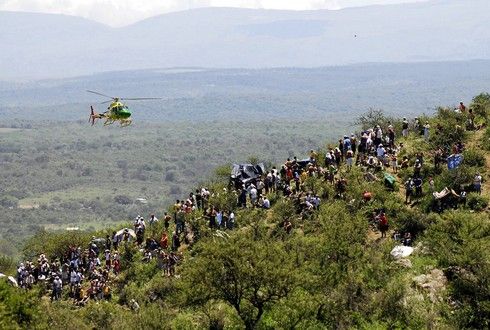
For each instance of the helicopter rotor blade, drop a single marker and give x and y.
(93, 92)
(140, 98)
(105, 102)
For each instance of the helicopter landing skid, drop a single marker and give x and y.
(126, 122)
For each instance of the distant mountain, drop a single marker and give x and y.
(43, 45)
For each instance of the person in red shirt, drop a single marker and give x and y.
(383, 224)
(164, 241)
(462, 107)
(367, 196)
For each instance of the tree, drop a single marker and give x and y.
(123, 200)
(249, 273)
(481, 105)
(460, 242)
(18, 309)
(373, 117)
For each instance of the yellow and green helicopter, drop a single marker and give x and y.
(117, 110)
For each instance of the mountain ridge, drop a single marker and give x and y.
(246, 38)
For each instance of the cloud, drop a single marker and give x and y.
(123, 12)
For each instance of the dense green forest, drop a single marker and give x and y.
(293, 266)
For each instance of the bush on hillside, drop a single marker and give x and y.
(477, 202)
(7, 264)
(485, 142)
(123, 200)
(474, 157)
(374, 117)
(455, 178)
(481, 105)
(18, 309)
(447, 129)
(459, 241)
(56, 244)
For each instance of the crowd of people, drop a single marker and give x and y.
(374, 149)
(78, 269)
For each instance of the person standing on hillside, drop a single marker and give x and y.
(408, 190)
(380, 152)
(338, 157)
(391, 138)
(231, 220)
(378, 136)
(417, 182)
(115, 240)
(462, 107)
(164, 241)
(340, 148)
(405, 127)
(198, 199)
(175, 241)
(346, 144)
(394, 162)
(426, 131)
(477, 183)
(313, 156)
(57, 287)
(166, 220)
(416, 125)
(253, 195)
(152, 221)
(353, 143)
(260, 186)
(349, 159)
(383, 224)
(108, 242)
(176, 208)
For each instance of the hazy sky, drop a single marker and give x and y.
(123, 12)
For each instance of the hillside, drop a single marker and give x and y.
(227, 37)
(321, 255)
(70, 176)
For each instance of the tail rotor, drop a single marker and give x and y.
(93, 116)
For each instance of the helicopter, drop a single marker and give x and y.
(117, 110)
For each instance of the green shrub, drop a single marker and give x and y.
(373, 117)
(18, 309)
(477, 202)
(54, 245)
(454, 178)
(474, 157)
(447, 128)
(485, 141)
(481, 105)
(7, 264)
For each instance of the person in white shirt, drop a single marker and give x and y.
(426, 131)
(266, 204)
(57, 287)
(316, 201)
(253, 194)
(231, 220)
(380, 152)
(153, 219)
(477, 183)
